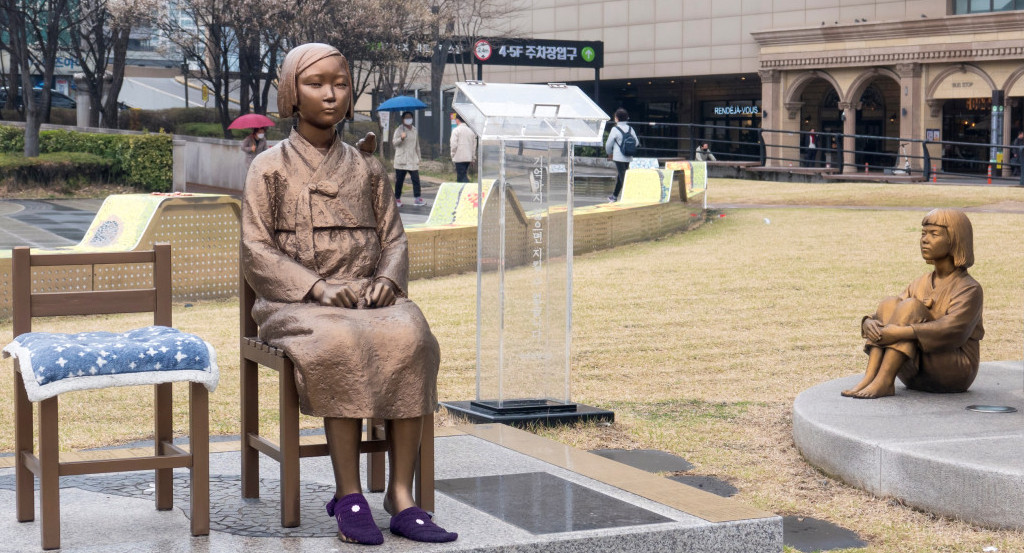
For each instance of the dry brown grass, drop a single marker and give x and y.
(736, 191)
(699, 342)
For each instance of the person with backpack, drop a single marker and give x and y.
(621, 146)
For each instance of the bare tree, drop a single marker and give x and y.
(204, 32)
(454, 24)
(370, 33)
(34, 28)
(256, 25)
(102, 33)
(397, 51)
(8, 76)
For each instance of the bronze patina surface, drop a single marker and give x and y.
(929, 335)
(324, 249)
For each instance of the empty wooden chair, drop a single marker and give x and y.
(44, 384)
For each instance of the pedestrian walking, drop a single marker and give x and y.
(463, 146)
(1017, 153)
(407, 159)
(621, 147)
(254, 144)
(811, 149)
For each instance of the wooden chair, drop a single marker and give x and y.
(289, 449)
(47, 465)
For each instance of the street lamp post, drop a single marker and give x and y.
(184, 71)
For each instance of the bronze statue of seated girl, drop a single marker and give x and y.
(929, 336)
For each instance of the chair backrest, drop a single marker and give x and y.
(26, 304)
(246, 299)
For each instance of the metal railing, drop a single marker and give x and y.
(835, 153)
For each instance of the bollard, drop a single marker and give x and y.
(865, 167)
(989, 173)
(935, 174)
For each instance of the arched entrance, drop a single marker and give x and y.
(965, 94)
(817, 95)
(876, 97)
(1014, 87)
(820, 109)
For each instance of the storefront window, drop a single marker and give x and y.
(966, 121)
(985, 6)
(734, 136)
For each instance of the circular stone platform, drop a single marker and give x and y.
(925, 449)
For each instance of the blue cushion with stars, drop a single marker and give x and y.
(53, 363)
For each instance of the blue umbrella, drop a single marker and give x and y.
(401, 103)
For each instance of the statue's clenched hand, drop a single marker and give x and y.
(872, 329)
(338, 295)
(380, 294)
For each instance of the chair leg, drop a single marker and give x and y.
(375, 461)
(163, 431)
(424, 478)
(289, 442)
(250, 394)
(23, 478)
(199, 449)
(49, 475)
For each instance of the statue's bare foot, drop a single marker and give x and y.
(860, 386)
(876, 391)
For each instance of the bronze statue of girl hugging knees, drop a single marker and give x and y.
(928, 336)
(325, 251)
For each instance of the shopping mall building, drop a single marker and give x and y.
(912, 69)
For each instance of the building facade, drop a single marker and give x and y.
(913, 69)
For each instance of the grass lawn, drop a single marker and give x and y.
(699, 341)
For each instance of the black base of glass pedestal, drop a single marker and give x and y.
(523, 412)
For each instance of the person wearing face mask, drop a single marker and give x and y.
(407, 158)
(254, 144)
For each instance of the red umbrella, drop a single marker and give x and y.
(251, 121)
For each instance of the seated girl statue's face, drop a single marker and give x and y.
(324, 93)
(935, 243)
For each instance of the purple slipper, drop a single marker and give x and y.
(355, 522)
(415, 524)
